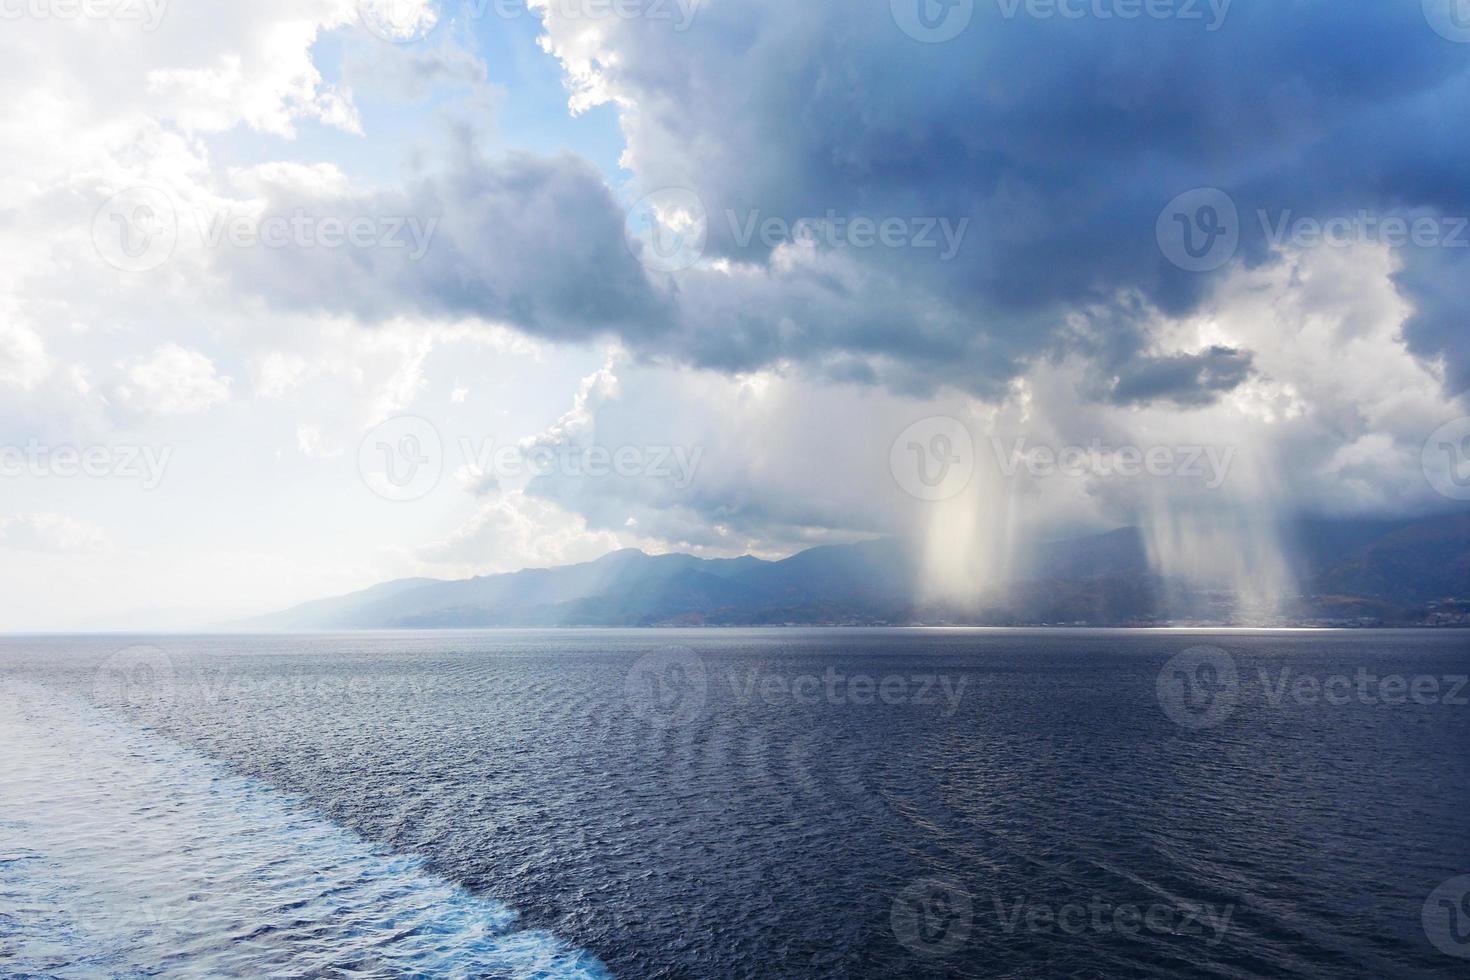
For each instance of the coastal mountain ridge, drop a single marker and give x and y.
(1349, 572)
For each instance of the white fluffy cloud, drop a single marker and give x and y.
(23, 360)
(513, 531)
(171, 381)
(51, 533)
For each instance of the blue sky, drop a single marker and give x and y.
(697, 277)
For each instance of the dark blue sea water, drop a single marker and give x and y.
(743, 803)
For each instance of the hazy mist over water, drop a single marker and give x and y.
(756, 803)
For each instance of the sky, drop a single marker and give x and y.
(299, 296)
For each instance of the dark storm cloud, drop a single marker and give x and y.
(1047, 146)
(1439, 282)
(1061, 140)
(533, 241)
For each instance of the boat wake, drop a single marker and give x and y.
(124, 854)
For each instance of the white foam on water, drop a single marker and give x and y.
(123, 854)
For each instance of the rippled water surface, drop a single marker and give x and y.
(736, 803)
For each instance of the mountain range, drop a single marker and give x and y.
(1350, 573)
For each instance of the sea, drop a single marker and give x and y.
(737, 803)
